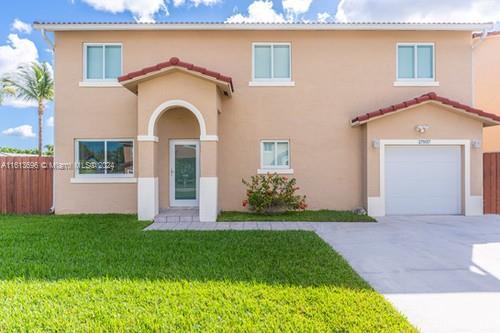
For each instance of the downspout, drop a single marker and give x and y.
(47, 40)
(52, 47)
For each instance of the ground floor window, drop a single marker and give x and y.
(107, 157)
(275, 154)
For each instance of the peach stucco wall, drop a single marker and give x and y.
(177, 86)
(337, 75)
(443, 125)
(487, 86)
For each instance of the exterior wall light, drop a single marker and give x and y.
(422, 128)
(376, 144)
(476, 143)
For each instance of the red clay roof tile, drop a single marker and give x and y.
(176, 62)
(421, 99)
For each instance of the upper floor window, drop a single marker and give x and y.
(102, 61)
(415, 62)
(272, 62)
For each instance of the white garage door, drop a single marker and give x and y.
(422, 180)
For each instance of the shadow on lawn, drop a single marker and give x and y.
(89, 246)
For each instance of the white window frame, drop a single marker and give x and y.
(281, 169)
(271, 81)
(96, 82)
(104, 175)
(416, 81)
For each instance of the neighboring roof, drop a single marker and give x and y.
(448, 26)
(488, 34)
(489, 119)
(131, 79)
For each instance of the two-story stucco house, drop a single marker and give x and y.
(374, 115)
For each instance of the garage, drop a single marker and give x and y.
(423, 180)
(424, 156)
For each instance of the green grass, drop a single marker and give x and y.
(103, 273)
(302, 216)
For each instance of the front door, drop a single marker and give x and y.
(184, 173)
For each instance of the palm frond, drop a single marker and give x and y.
(32, 82)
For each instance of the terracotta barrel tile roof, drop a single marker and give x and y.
(176, 62)
(431, 96)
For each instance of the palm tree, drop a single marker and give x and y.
(33, 82)
(4, 91)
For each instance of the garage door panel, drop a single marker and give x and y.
(423, 180)
(426, 206)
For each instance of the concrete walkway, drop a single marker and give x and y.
(310, 226)
(442, 272)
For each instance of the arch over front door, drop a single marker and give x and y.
(175, 103)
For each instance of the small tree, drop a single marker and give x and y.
(33, 83)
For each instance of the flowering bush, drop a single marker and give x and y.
(273, 193)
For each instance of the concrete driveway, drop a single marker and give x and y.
(442, 272)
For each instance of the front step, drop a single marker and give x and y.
(178, 215)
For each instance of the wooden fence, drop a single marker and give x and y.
(491, 183)
(26, 185)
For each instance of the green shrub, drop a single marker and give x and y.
(273, 193)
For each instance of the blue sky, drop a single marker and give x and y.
(18, 122)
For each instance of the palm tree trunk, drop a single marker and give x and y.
(40, 126)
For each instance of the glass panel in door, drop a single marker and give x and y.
(185, 172)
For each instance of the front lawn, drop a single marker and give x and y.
(302, 216)
(101, 273)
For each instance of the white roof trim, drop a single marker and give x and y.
(263, 26)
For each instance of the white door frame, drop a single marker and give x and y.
(173, 201)
(472, 204)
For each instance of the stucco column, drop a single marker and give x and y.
(147, 179)
(209, 181)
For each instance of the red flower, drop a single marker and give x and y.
(244, 203)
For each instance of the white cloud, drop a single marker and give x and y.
(143, 10)
(294, 8)
(18, 103)
(258, 11)
(323, 17)
(17, 51)
(196, 3)
(21, 26)
(49, 122)
(207, 3)
(24, 131)
(418, 11)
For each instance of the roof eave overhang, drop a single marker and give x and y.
(83, 26)
(485, 120)
(132, 84)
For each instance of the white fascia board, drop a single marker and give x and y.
(263, 26)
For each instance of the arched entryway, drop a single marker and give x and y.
(180, 162)
(178, 133)
(167, 87)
